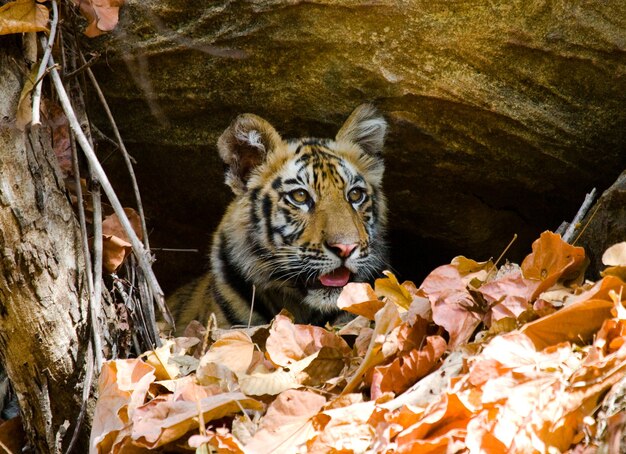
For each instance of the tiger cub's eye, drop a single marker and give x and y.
(299, 196)
(356, 195)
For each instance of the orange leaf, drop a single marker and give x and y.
(387, 319)
(111, 225)
(287, 424)
(115, 241)
(552, 260)
(450, 300)
(166, 419)
(102, 15)
(289, 343)
(441, 424)
(391, 290)
(576, 322)
(406, 369)
(508, 296)
(23, 16)
(123, 385)
(360, 299)
(114, 251)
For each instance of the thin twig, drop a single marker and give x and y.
(125, 154)
(145, 260)
(169, 249)
(86, 391)
(96, 198)
(593, 215)
(582, 211)
(95, 270)
(44, 64)
(86, 65)
(85, 244)
(508, 246)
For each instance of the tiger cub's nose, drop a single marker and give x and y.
(342, 250)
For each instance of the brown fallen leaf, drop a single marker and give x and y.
(453, 307)
(579, 319)
(508, 296)
(288, 343)
(390, 289)
(343, 429)
(406, 369)
(114, 251)
(12, 435)
(102, 15)
(23, 16)
(288, 423)
(552, 260)
(166, 419)
(359, 299)
(123, 385)
(387, 319)
(115, 241)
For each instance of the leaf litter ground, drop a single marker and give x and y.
(477, 359)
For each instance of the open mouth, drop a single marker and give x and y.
(336, 278)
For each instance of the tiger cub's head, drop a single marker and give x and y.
(312, 213)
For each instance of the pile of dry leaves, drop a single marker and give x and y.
(408, 374)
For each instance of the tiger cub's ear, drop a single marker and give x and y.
(243, 146)
(366, 127)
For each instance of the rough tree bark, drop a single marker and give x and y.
(43, 292)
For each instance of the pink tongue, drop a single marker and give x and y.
(337, 278)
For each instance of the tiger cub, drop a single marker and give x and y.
(308, 217)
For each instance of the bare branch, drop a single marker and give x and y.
(143, 256)
(44, 63)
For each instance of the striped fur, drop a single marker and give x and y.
(303, 209)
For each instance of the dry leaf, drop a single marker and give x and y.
(159, 358)
(12, 435)
(287, 425)
(111, 225)
(165, 419)
(580, 318)
(552, 260)
(615, 255)
(60, 126)
(115, 241)
(102, 15)
(233, 350)
(447, 290)
(23, 16)
(408, 368)
(390, 289)
(360, 299)
(508, 296)
(343, 429)
(387, 319)
(261, 382)
(122, 386)
(114, 251)
(438, 427)
(288, 343)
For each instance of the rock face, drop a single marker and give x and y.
(503, 115)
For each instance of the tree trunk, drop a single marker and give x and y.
(43, 294)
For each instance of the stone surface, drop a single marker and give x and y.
(503, 114)
(605, 224)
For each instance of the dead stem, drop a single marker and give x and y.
(47, 55)
(143, 256)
